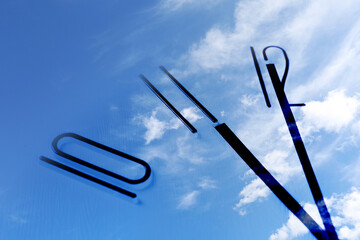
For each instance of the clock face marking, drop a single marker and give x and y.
(189, 95)
(283, 195)
(95, 167)
(88, 177)
(234, 142)
(168, 104)
(296, 137)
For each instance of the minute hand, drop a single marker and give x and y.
(283, 195)
(301, 152)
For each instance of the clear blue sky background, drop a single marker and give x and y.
(73, 66)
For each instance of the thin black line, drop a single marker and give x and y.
(189, 95)
(261, 80)
(88, 177)
(297, 104)
(283, 195)
(168, 104)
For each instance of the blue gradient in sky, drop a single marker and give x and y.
(74, 65)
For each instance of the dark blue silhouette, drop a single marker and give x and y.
(295, 135)
(235, 143)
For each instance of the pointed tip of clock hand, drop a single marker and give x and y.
(189, 95)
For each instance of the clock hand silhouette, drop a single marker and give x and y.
(235, 143)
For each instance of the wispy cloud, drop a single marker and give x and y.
(318, 66)
(188, 200)
(191, 198)
(175, 5)
(301, 28)
(187, 150)
(18, 218)
(207, 183)
(224, 46)
(336, 72)
(351, 172)
(249, 100)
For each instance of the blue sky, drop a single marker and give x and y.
(74, 65)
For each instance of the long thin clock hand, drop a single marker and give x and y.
(301, 151)
(295, 134)
(283, 195)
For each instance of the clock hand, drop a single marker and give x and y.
(296, 137)
(270, 181)
(301, 151)
(283, 195)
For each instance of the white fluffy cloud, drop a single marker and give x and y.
(293, 227)
(302, 28)
(156, 128)
(318, 65)
(250, 193)
(345, 212)
(190, 114)
(335, 112)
